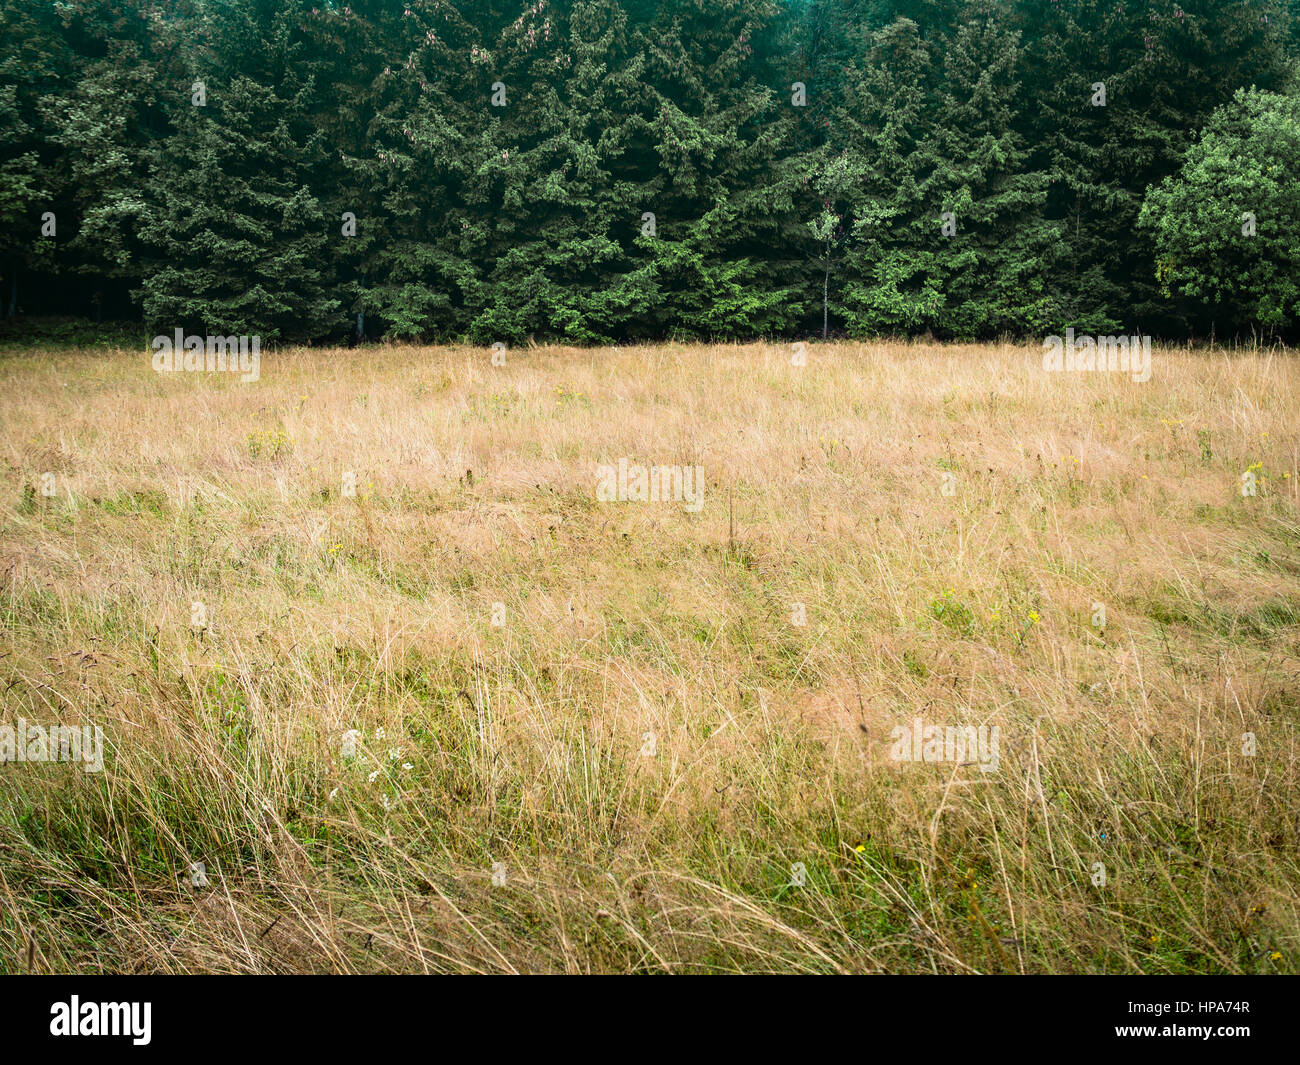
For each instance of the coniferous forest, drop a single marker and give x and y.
(591, 171)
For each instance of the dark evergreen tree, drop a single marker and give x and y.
(398, 134)
(107, 123)
(997, 262)
(237, 237)
(725, 191)
(564, 196)
(893, 259)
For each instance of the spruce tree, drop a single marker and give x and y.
(997, 261)
(893, 259)
(566, 199)
(724, 192)
(237, 238)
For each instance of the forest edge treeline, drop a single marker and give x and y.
(592, 171)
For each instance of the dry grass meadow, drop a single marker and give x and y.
(522, 746)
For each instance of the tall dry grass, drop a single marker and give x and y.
(527, 743)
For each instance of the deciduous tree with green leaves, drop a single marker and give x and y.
(1226, 227)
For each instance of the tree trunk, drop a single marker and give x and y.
(826, 289)
(361, 318)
